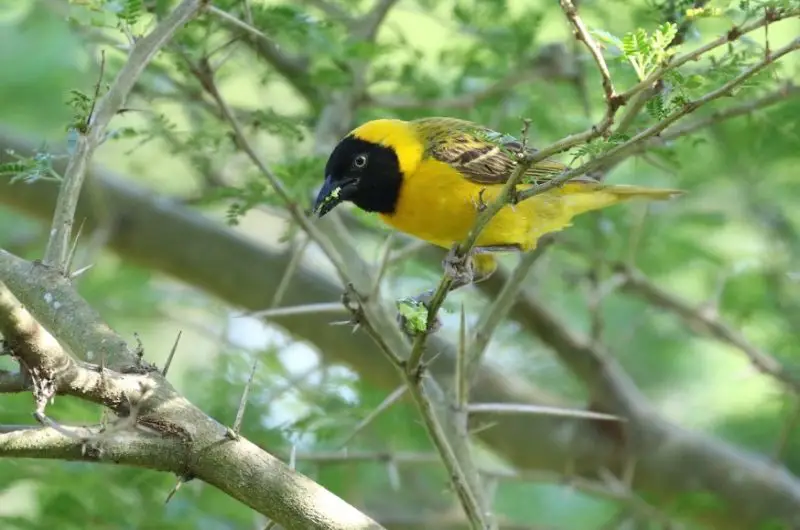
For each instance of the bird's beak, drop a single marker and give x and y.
(331, 195)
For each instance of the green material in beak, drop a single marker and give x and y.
(331, 195)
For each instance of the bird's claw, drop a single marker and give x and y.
(460, 268)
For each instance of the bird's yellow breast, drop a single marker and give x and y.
(439, 205)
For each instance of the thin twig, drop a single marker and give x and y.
(5, 429)
(171, 356)
(205, 76)
(611, 490)
(459, 466)
(383, 265)
(288, 274)
(465, 488)
(629, 147)
(331, 10)
(787, 91)
(524, 161)
(582, 34)
(464, 101)
(731, 35)
(496, 312)
(513, 408)
(141, 54)
(293, 68)
(233, 432)
(462, 365)
(788, 427)
(404, 253)
(390, 400)
(325, 307)
(232, 20)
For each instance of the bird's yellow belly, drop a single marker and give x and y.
(440, 206)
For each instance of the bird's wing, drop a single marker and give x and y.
(480, 154)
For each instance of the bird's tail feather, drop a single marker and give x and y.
(581, 200)
(624, 191)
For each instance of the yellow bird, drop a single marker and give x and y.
(429, 177)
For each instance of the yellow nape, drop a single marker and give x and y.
(439, 205)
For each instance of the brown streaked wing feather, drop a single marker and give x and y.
(480, 160)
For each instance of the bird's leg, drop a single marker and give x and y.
(411, 318)
(472, 268)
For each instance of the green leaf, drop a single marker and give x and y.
(607, 38)
(415, 314)
(656, 107)
(131, 12)
(636, 44)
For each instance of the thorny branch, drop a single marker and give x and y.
(582, 34)
(599, 370)
(156, 427)
(104, 110)
(452, 448)
(616, 492)
(628, 148)
(389, 3)
(527, 160)
(613, 101)
(456, 460)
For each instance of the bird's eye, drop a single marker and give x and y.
(360, 161)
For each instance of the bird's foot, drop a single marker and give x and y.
(460, 268)
(412, 315)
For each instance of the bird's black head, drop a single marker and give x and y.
(364, 173)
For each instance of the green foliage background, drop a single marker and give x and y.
(731, 242)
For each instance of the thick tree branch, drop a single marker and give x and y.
(180, 438)
(237, 467)
(53, 299)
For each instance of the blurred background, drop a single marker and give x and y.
(185, 235)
